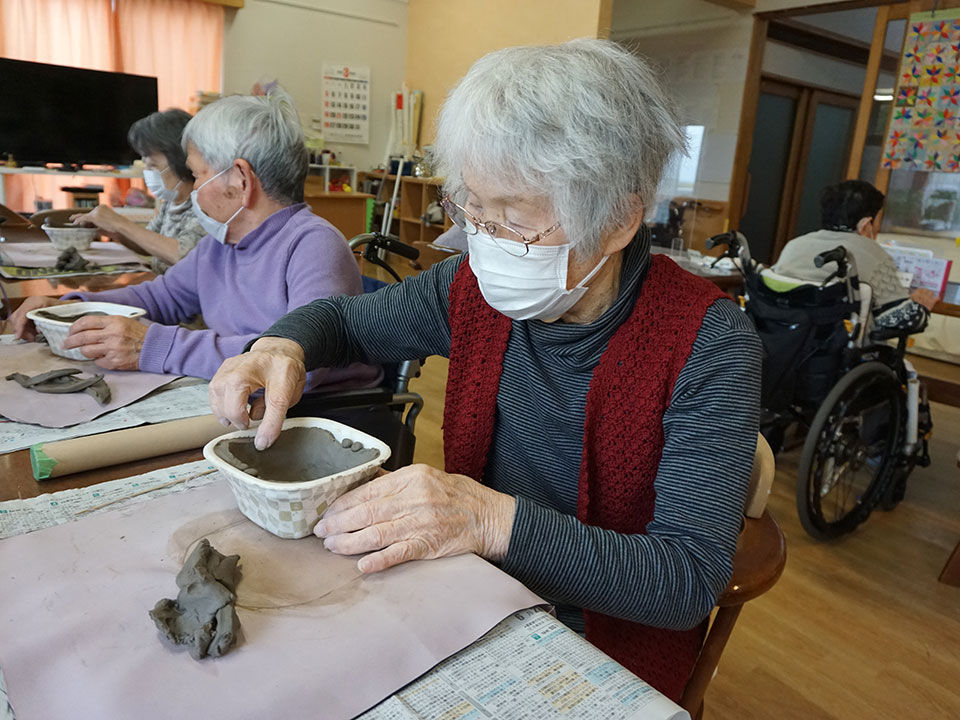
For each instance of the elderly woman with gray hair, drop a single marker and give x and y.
(602, 404)
(174, 230)
(264, 254)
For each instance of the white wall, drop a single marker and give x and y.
(702, 49)
(794, 63)
(291, 39)
(704, 71)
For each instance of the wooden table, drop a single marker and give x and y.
(346, 211)
(16, 477)
(951, 570)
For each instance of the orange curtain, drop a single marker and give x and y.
(179, 42)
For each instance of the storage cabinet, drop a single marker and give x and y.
(416, 195)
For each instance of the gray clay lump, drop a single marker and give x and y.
(65, 380)
(299, 454)
(71, 260)
(203, 615)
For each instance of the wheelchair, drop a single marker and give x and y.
(390, 410)
(835, 377)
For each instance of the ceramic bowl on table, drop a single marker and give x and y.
(55, 331)
(64, 237)
(292, 509)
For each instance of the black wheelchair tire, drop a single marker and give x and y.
(807, 486)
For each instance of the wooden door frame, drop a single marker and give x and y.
(815, 97)
(807, 98)
(895, 9)
(777, 86)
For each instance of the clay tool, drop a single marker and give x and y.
(53, 459)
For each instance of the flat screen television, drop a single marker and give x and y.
(57, 114)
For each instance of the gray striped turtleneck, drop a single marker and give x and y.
(671, 576)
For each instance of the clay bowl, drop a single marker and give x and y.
(55, 331)
(290, 508)
(64, 237)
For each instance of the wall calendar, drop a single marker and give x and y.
(346, 104)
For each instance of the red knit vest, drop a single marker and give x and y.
(622, 439)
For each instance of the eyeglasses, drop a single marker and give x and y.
(509, 240)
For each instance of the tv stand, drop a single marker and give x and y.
(128, 173)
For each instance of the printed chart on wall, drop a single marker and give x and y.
(346, 104)
(924, 131)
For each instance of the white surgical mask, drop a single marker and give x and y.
(213, 227)
(156, 186)
(531, 287)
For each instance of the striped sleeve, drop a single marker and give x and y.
(402, 321)
(672, 576)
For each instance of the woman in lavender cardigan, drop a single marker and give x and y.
(265, 254)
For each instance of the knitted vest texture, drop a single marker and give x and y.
(623, 432)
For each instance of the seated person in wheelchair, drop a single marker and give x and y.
(583, 370)
(264, 254)
(850, 217)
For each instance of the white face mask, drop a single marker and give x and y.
(156, 186)
(532, 287)
(213, 227)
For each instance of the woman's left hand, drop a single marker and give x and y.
(111, 342)
(418, 512)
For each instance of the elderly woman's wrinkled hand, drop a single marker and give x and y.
(111, 342)
(925, 297)
(275, 365)
(22, 326)
(416, 513)
(104, 217)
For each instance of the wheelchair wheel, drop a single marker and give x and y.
(850, 450)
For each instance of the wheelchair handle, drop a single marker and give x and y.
(378, 241)
(727, 238)
(837, 255)
(392, 244)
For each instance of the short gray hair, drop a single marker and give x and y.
(584, 123)
(263, 130)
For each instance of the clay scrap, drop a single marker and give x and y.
(65, 380)
(47, 315)
(70, 260)
(203, 616)
(299, 454)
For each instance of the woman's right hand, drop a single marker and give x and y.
(23, 328)
(274, 364)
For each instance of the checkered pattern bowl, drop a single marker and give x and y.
(55, 331)
(64, 238)
(290, 510)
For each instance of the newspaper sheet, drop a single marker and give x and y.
(182, 398)
(529, 667)
(37, 513)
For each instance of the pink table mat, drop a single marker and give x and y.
(19, 404)
(319, 640)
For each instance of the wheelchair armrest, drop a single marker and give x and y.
(891, 333)
(343, 399)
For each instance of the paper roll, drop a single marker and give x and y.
(50, 460)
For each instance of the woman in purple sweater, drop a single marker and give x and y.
(265, 254)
